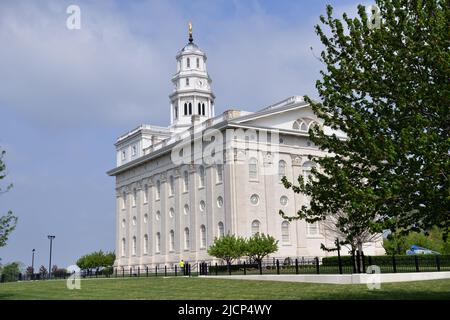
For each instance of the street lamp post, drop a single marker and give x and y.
(50, 261)
(32, 263)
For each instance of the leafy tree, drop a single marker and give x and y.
(259, 246)
(10, 271)
(8, 222)
(96, 260)
(43, 271)
(228, 248)
(387, 90)
(29, 270)
(433, 240)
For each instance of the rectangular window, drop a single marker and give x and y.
(187, 81)
(124, 155)
(313, 228)
(198, 63)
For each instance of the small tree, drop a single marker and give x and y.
(10, 271)
(259, 246)
(43, 271)
(96, 260)
(228, 248)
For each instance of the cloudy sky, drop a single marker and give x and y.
(66, 95)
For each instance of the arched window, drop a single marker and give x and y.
(186, 181)
(124, 249)
(219, 173)
(281, 169)
(306, 169)
(133, 247)
(199, 108)
(190, 108)
(253, 169)
(187, 81)
(188, 62)
(300, 125)
(220, 229)
(158, 242)
(186, 239)
(285, 237)
(133, 201)
(145, 244)
(313, 228)
(186, 209)
(202, 237)
(171, 240)
(171, 185)
(203, 109)
(255, 227)
(201, 176)
(198, 63)
(145, 194)
(185, 109)
(158, 190)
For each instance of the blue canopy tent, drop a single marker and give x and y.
(419, 250)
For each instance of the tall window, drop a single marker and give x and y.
(186, 239)
(124, 155)
(123, 247)
(313, 228)
(188, 62)
(171, 185)
(203, 109)
(158, 242)
(219, 173)
(171, 240)
(190, 106)
(202, 237)
(253, 169)
(255, 227)
(186, 181)
(187, 81)
(199, 108)
(134, 197)
(220, 229)
(124, 201)
(133, 247)
(201, 176)
(198, 63)
(133, 150)
(185, 109)
(176, 112)
(145, 244)
(145, 194)
(158, 190)
(285, 237)
(281, 169)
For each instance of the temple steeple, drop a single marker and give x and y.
(192, 93)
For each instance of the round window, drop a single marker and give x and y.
(254, 199)
(220, 202)
(202, 205)
(284, 201)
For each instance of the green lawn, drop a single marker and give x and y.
(214, 289)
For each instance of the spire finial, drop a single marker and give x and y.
(190, 32)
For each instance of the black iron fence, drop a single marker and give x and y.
(310, 265)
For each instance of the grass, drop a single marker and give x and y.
(217, 289)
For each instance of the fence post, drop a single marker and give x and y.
(358, 261)
(131, 271)
(416, 262)
(339, 262)
(156, 271)
(176, 273)
(296, 266)
(139, 272)
(438, 263)
(165, 271)
(278, 266)
(363, 259)
(123, 272)
(245, 269)
(229, 268)
(146, 271)
(189, 269)
(317, 265)
(394, 264)
(353, 262)
(115, 272)
(216, 268)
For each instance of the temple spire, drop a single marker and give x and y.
(190, 32)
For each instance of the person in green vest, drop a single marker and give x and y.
(182, 267)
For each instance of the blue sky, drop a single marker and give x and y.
(66, 95)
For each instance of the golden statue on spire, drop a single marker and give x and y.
(190, 32)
